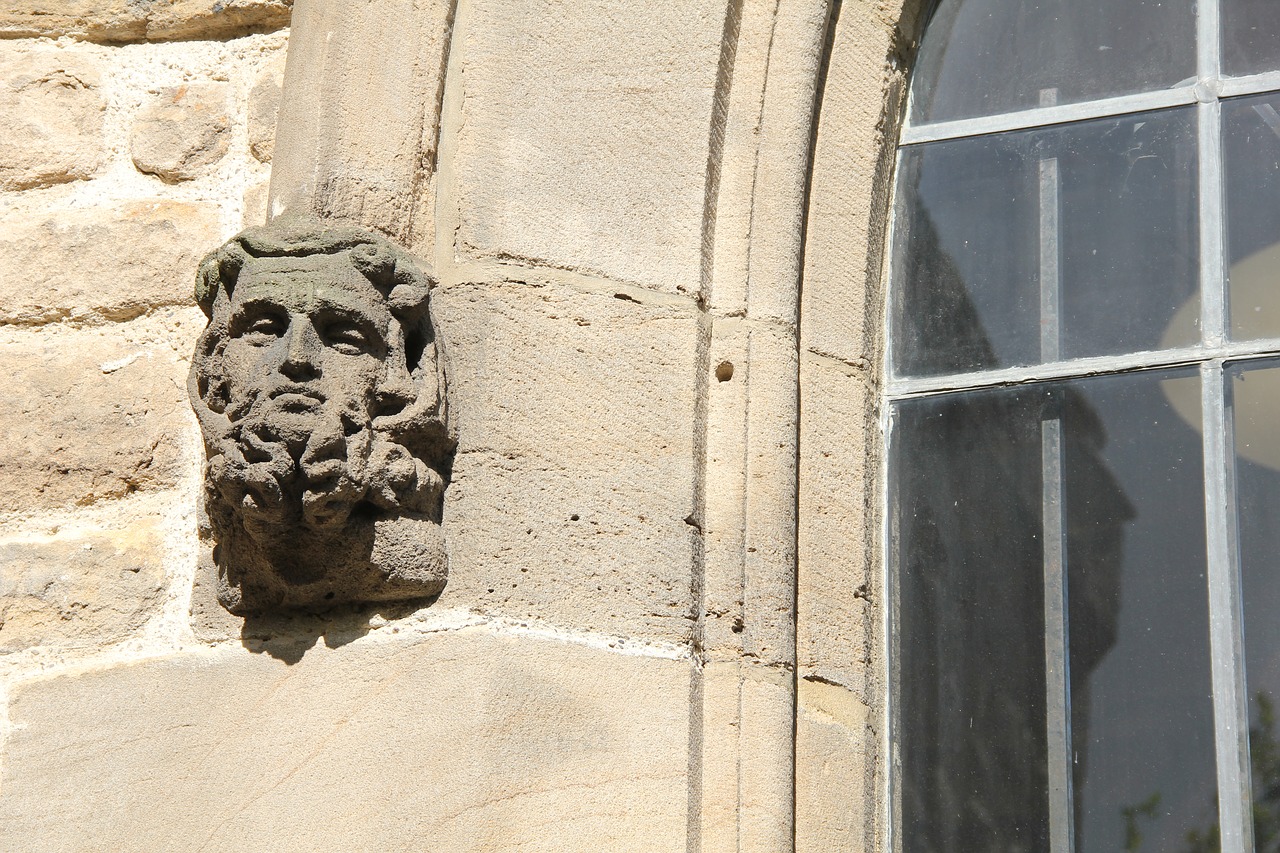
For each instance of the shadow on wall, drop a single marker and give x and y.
(288, 636)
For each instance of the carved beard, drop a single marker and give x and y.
(282, 465)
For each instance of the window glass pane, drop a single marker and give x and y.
(1249, 36)
(1256, 401)
(983, 57)
(973, 533)
(1251, 151)
(1082, 234)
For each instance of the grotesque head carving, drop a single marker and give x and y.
(321, 400)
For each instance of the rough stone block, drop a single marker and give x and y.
(574, 476)
(138, 20)
(109, 263)
(454, 741)
(584, 137)
(51, 109)
(182, 132)
(214, 19)
(264, 106)
(92, 414)
(79, 590)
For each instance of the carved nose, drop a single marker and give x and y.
(397, 390)
(300, 362)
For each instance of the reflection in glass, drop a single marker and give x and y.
(1249, 42)
(977, 505)
(1256, 408)
(1251, 151)
(983, 57)
(1069, 241)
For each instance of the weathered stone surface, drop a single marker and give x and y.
(360, 112)
(583, 141)
(841, 302)
(839, 525)
(837, 789)
(264, 107)
(455, 741)
(79, 590)
(255, 205)
(574, 477)
(182, 132)
(138, 20)
(321, 401)
(108, 263)
(746, 743)
(90, 414)
(51, 109)
(749, 524)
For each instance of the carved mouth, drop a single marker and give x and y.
(297, 398)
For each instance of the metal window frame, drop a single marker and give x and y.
(1213, 357)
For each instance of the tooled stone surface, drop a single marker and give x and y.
(320, 395)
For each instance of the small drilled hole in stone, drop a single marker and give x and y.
(573, 517)
(724, 371)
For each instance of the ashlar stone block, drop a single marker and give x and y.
(457, 741)
(584, 135)
(51, 109)
(106, 263)
(837, 590)
(838, 785)
(360, 113)
(573, 483)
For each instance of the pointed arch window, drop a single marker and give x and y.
(1084, 401)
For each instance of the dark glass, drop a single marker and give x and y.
(1251, 161)
(1256, 403)
(983, 57)
(1250, 36)
(968, 529)
(968, 236)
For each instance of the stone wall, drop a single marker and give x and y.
(657, 230)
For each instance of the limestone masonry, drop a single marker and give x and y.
(530, 501)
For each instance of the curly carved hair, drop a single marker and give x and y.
(391, 269)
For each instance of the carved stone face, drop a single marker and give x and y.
(318, 391)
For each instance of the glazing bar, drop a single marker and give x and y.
(1226, 646)
(1213, 296)
(1050, 296)
(1095, 366)
(1057, 683)
(1254, 84)
(1047, 115)
(1056, 644)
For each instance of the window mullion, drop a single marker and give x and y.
(1230, 706)
(1056, 639)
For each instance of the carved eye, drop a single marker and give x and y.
(262, 330)
(347, 338)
